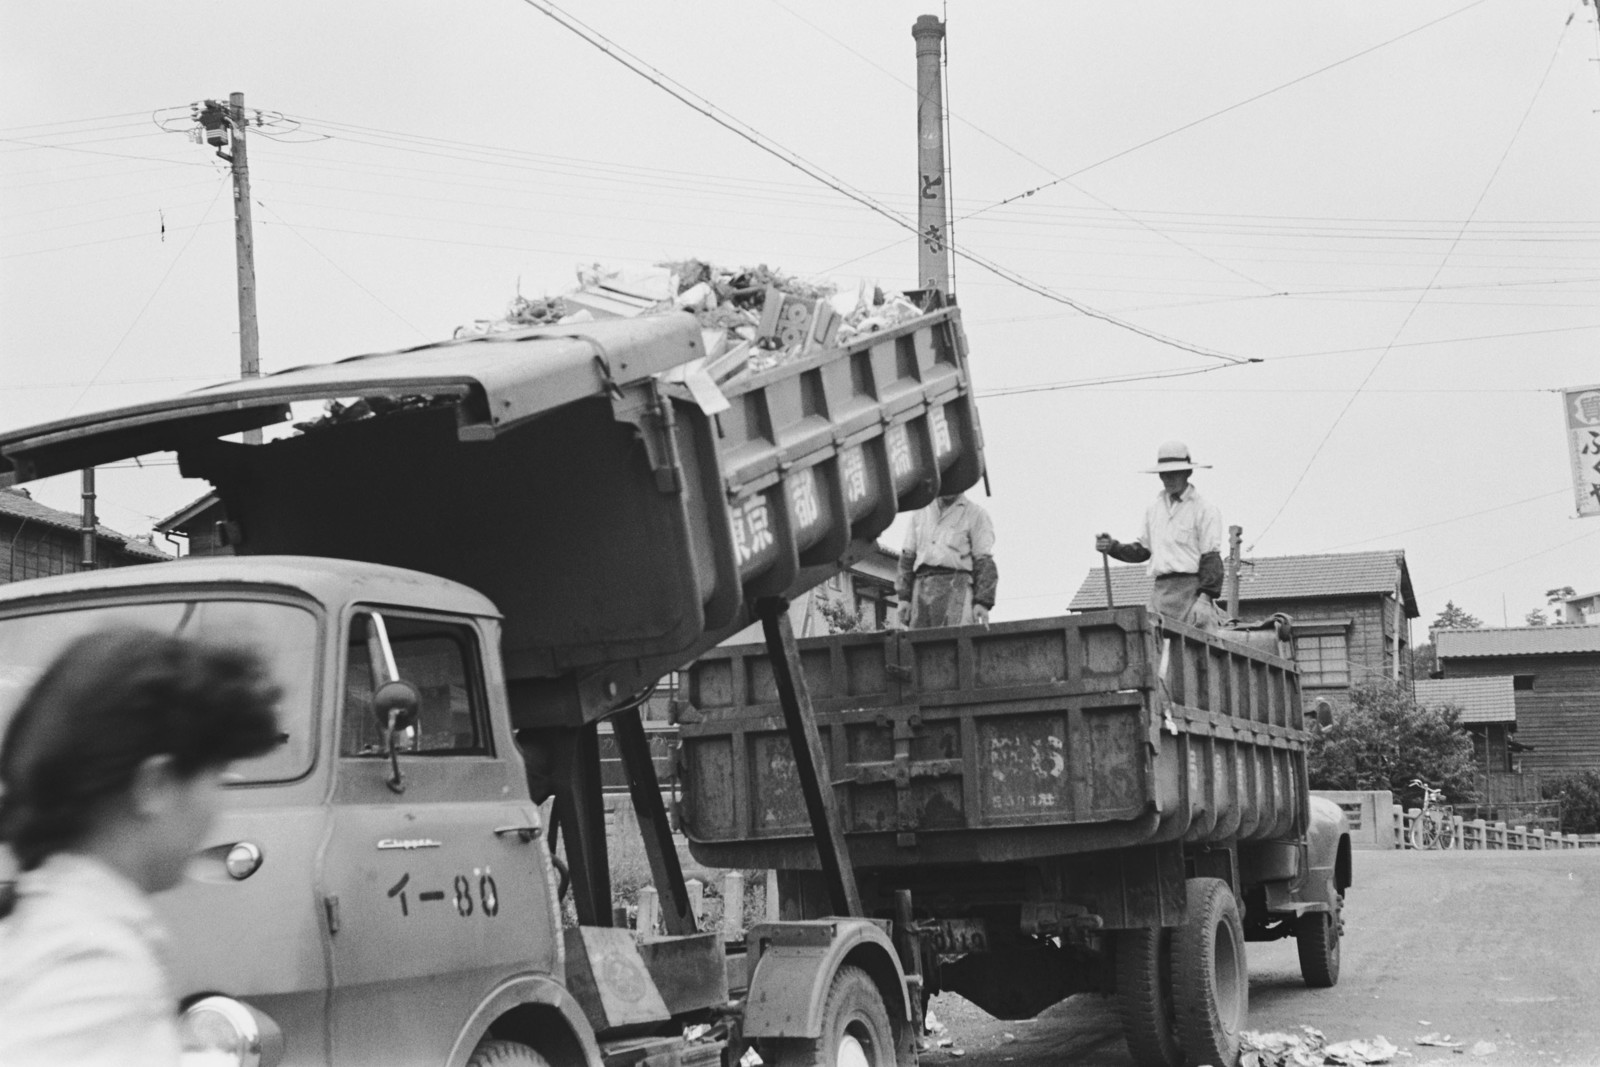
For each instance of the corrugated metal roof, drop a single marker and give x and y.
(1480, 699)
(1272, 578)
(28, 509)
(1517, 641)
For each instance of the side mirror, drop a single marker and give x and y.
(396, 704)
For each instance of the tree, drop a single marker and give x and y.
(1454, 618)
(839, 613)
(1421, 661)
(1579, 793)
(1536, 617)
(1385, 739)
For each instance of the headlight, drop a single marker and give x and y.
(242, 860)
(222, 1032)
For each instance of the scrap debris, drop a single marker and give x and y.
(1310, 1048)
(751, 318)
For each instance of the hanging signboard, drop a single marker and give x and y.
(1582, 408)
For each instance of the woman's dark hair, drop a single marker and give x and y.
(110, 701)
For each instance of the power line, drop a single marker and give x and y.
(352, 278)
(1231, 107)
(70, 122)
(146, 307)
(766, 144)
(1176, 130)
(1458, 518)
(1513, 563)
(1487, 185)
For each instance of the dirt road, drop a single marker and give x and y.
(1496, 947)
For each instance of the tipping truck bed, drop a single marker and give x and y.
(1049, 737)
(620, 526)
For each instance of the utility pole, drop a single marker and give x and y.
(1235, 540)
(88, 522)
(224, 125)
(933, 213)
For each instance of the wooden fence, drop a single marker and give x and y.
(1479, 834)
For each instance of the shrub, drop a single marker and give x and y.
(1579, 793)
(1385, 739)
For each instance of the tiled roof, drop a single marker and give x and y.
(30, 510)
(1517, 641)
(1480, 699)
(1272, 578)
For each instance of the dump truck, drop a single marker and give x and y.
(488, 548)
(1109, 802)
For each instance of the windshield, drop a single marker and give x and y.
(283, 635)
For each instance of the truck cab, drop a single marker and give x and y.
(367, 894)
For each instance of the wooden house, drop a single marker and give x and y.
(1554, 677)
(1351, 610)
(37, 541)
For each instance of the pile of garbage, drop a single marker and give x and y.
(1310, 1048)
(751, 318)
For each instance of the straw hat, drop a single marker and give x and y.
(1174, 456)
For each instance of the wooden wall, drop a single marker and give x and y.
(1559, 716)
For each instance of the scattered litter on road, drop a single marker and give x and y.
(1484, 1048)
(1437, 1041)
(958, 1052)
(751, 1058)
(1007, 1038)
(1309, 1048)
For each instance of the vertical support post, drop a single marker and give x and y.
(801, 720)
(580, 809)
(933, 215)
(732, 905)
(644, 924)
(908, 946)
(659, 849)
(244, 251)
(774, 899)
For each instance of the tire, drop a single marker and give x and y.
(494, 1053)
(1419, 833)
(1210, 983)
(856, 1031)
(1447, 832)
(1317, 936)
(1144, 997)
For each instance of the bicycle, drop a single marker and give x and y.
(1433, 827)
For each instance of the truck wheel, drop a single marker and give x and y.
(856, 1031)
(1316, 935)
(1210, 983)
(492, 1053)
(1144, 997)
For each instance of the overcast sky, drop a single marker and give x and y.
(1395, 207)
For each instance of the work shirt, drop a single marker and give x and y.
(81, 974)
(952, 537)
(1178, 533)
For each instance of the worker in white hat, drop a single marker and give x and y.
(1180, 544)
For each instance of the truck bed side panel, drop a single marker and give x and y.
(1034, 738)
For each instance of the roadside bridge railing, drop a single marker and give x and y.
(1480, 834)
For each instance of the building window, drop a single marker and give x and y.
(1522, 681)
(1323, 658)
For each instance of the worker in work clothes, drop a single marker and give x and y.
(947, 574)
(1181, 544)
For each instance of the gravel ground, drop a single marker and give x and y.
(1490, 948)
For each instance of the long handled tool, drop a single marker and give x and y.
(1105, 565)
